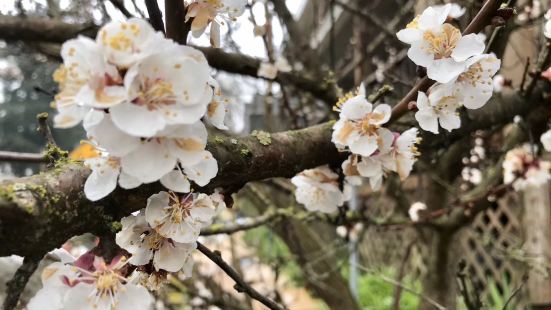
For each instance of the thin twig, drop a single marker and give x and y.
(25, 157)
(17, 284)
(44, 129)
(240, 285)
(515, 292)
(401, 272)
(176, 28)
(250, 223)
(405, 288)
(524, 74)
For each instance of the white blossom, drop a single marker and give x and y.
(155, 157)
(318, 190)
(522, 170)
(455, 10)
(181, 219)
(89, 285)
(106, 173)
(204, 12)
(415, 211)
(359, 124)
(475, 85)
(499, 83)
(269, 71)
(146, 244)
(439, 46)
(547, 29)
(546, 140)
(439, 107)
(124, 43)
(85, 80)
(218, 108)
(165, 88)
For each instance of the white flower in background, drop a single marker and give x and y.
(415, 211)
(88, 284)
(397, 153)
(546, 140)
(145, 244)
(547, 29)
(439, 107)
(455, 10)
(498, 83)
(85, 80)
(181, 219)
(204, 12)
(218, 108)
(359, 124)
(318, 189)
(157, 156)
(521, 169)
(475, 85)
(106, 173)
(404, 152)
(170, 87)
(124, 43)
(269, 71)
(439, 46)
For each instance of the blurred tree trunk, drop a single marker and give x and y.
(315, 245)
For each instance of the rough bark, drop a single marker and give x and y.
(40, 212)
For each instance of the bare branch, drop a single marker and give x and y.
(24, 157)
(176, 28)
(155, 15)
(120, 6)
(240, 285)
(18, 282)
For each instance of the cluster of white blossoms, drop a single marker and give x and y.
(522, 169)
(164, 235)
(375, 150)
(205, 12)
(90, 283)
(141, 99)
(457, 63)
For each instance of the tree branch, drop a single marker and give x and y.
(240, 285)
(175, 13)
(45, 30)
(17, 284)
(155, 15)
(24, 157)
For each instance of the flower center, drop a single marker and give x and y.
(441, 44)
(366, 125)
(154, 240)
(180, 208)
(155, 93)
(472, 75)
(107, 283)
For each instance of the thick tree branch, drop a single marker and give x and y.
(40, 212)
(43, 30)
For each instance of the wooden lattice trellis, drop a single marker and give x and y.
(489, 244)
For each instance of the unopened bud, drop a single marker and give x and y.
(506, 12)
